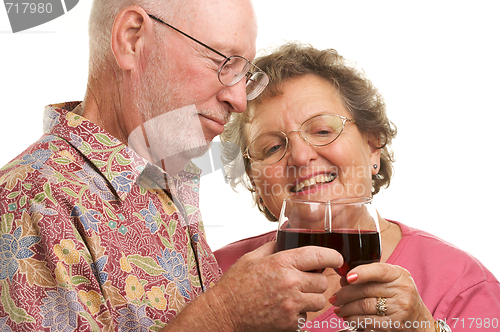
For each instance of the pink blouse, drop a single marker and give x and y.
(454, 285)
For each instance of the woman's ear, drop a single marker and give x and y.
(375, 151)
(256, 192)
(130, 29)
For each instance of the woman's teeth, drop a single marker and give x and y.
(313, 181)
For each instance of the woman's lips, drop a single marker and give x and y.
(313, 182)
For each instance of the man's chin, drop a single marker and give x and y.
(177, 162)
(198, 151)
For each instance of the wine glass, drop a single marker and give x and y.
(355, 222)
(348, 225)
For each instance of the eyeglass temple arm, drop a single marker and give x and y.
(185, 34)
(344, 119)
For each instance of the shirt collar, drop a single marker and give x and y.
(106, 152)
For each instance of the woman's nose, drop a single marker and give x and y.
(300, 152)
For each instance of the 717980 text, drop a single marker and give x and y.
(473, 323)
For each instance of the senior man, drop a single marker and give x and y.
(100, 226)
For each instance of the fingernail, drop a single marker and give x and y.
(336, 310)
(352, 277)
(333, 299)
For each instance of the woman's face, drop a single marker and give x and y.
(340, 169)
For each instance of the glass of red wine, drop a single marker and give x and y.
(348, 225)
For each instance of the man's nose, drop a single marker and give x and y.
(235, 96)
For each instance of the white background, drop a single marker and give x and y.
(435, 62)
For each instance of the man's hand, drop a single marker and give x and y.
(267, 291)
(262, 291)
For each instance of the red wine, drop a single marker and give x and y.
(346, 243)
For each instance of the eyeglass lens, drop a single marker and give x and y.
(319, 131)
(235, 68)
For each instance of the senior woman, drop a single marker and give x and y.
(422, 283)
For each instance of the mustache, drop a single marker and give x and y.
(218, 113)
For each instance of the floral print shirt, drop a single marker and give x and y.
(95, 238)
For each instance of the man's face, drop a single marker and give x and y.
(180, 77)
(227, 26)
(165, 135)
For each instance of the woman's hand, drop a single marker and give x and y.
(356, 301)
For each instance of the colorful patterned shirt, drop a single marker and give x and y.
(91, 238)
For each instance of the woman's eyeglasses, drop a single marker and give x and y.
(320, 130)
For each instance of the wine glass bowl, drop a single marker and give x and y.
(348, 225)
(304, 215)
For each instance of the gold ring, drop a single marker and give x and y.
(381, 306)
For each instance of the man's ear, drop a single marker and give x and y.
(128, 36)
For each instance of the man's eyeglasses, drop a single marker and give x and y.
(234, 68)
(320, 130)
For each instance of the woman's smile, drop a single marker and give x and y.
(313, 183)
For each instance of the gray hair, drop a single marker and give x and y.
(102, 17)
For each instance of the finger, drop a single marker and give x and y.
(343, 282)
(313, 283)
(311, 258)
(357, 292)
(265, 250)
(301, 320)
(363, 307)
(377, 272)
(312, 302)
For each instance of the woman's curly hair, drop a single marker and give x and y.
(358, 94)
